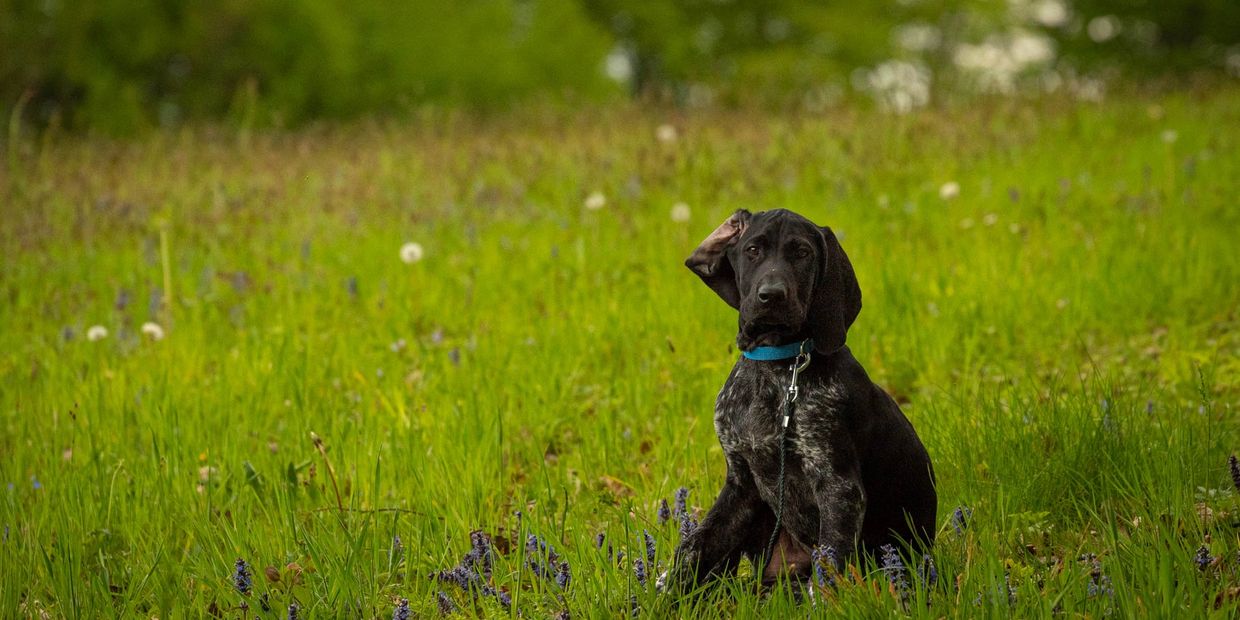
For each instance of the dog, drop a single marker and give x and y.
(855, 475)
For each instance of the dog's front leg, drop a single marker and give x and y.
(835, 480)
(716, 546)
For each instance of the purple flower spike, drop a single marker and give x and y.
(293, 611)
(894, 567)
(563, 576)
(446, 605)
(649, 546)
(665, 513)
(960, 519)
(825, 563)
(1203, 558)
(1234, 465)
(682, 497)
(639, 571)
(402, 610)
(242, 579)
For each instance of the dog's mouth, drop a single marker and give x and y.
(764, 332)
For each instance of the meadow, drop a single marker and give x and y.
(1050, 291)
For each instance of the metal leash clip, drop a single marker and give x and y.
(799, 364)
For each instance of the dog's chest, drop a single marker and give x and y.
(748, 411)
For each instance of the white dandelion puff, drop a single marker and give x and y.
(1170, 136)
(990, 219)
(949, 190)
(153, 330)
(666, 133)
(96, 332)
(1104, 28)
(411, 252)
(595, 201)
(680, 212)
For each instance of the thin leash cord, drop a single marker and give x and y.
(779, 507)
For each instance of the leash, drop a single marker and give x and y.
(790, 397)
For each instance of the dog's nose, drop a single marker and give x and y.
(770, 292)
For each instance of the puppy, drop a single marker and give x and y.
(855, 476)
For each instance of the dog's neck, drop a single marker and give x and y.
(780, 352)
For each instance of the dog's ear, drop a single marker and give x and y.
(710, 260)
(837, 297)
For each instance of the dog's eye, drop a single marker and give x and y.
(752, 251)
(802, 253)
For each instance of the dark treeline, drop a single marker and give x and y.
(120, 65)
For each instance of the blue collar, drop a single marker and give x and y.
(782, 352)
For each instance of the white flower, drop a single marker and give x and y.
(153, 330)
(618, 65)
(680, 212)
(1050, 13)
(1169, 136)
(896, 85)
(96, 332)
(596, 201)
(1104, 28)
(990, 219)
(411, 252)
(665, 133)
(949, 190)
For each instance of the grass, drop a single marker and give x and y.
(1063, 335)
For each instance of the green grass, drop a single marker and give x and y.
(1063, 335)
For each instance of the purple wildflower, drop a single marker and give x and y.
(599, 539)
(398, 549)
(927, 573)
(664, 513)
(242, 577)
(463, 577)
(562, 615)
(682, 497)
(961, 518)
(1203, 558)
(639, 571)
(504, 598)
(292, 611)
(402, 610)
(1099, 584)
(446, 605)
(688, 525)
(1234, 465)
(894, 567)
(821, 557)
(480, 554)
(563, 576)
(649, 546)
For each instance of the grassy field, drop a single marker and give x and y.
(1061, 329)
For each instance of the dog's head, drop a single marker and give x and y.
(788, 277)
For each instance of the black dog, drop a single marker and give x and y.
(856, 476)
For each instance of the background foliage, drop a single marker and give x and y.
(120, 66)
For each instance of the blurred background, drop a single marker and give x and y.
(119, 66)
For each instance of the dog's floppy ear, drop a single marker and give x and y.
(837, 297)
(710, 260)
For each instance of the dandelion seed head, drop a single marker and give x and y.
(1169, 136)
(949, 190)
(411, 252)
(96, 333)
(666, 133)
(153, 330)
(680, 212)
(595, 201)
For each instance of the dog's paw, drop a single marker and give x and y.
(660, 584)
